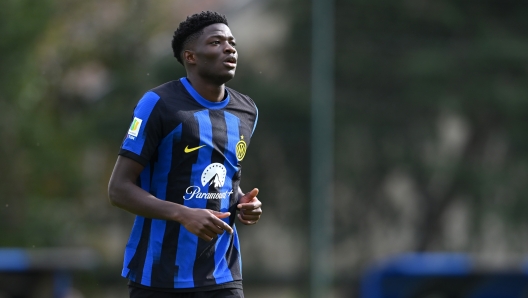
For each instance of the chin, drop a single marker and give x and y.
(231, 74)
(219, 77)
(225, 77)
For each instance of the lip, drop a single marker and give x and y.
(230, 62)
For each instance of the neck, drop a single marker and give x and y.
(210, 91)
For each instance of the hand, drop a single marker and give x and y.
(249, 207)
(205, 223)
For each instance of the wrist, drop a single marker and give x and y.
(180, 213)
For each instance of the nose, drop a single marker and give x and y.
(230, 49)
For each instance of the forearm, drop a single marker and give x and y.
(132, 198)
(125, 194)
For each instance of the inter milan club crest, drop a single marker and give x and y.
(241, 148)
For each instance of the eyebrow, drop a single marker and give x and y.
(222, 36)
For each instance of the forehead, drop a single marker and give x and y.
(217, 30)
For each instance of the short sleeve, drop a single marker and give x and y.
(146, 130)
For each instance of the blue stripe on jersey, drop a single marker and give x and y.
(132, 244)
(256, 119)
(204, 102)
(160, 176)
(135, 235)
(222, 273)
(142, 111)
(231, 162)
(187, 241)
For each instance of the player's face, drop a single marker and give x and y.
(215, 54)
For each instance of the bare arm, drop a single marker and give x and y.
(125, 194)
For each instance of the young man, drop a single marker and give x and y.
(179, 171)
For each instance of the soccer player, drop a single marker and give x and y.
(179, 170)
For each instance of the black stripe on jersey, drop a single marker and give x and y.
(138, 260)
(219, 139)
(236, 180)
(152, 168)
(233, 260)
(233, 200)
(204, 265)
(163, 273)
(232, 254)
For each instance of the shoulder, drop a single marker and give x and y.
(168, 90)
(241, 99)
(147, 104)
(161, 95)
(154, 101)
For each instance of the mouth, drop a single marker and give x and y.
(230, 62)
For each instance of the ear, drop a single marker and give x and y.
(189, 57)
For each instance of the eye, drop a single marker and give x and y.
(215, 42)
(233, 44)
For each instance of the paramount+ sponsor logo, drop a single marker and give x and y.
(213, 175)
(196, 192)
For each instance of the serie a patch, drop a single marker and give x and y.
(135, 127)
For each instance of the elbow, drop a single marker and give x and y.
(113, 194)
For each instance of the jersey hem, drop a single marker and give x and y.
(235, 284)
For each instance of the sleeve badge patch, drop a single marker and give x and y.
(134, 127)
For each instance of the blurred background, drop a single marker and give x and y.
(431, 121)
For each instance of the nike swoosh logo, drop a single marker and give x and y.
(189, 150)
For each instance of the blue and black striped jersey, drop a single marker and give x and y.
(191, 149)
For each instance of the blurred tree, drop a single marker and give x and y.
(66, 71)
(21, 25)
(431, 94)
(430, 109)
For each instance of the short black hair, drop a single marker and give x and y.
(191, 28)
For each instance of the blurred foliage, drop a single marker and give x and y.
(439, 87)
(431, 115)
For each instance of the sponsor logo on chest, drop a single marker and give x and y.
(213, 175)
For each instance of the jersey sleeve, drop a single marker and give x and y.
(254, 111)
(256, 120)
(146, 130)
